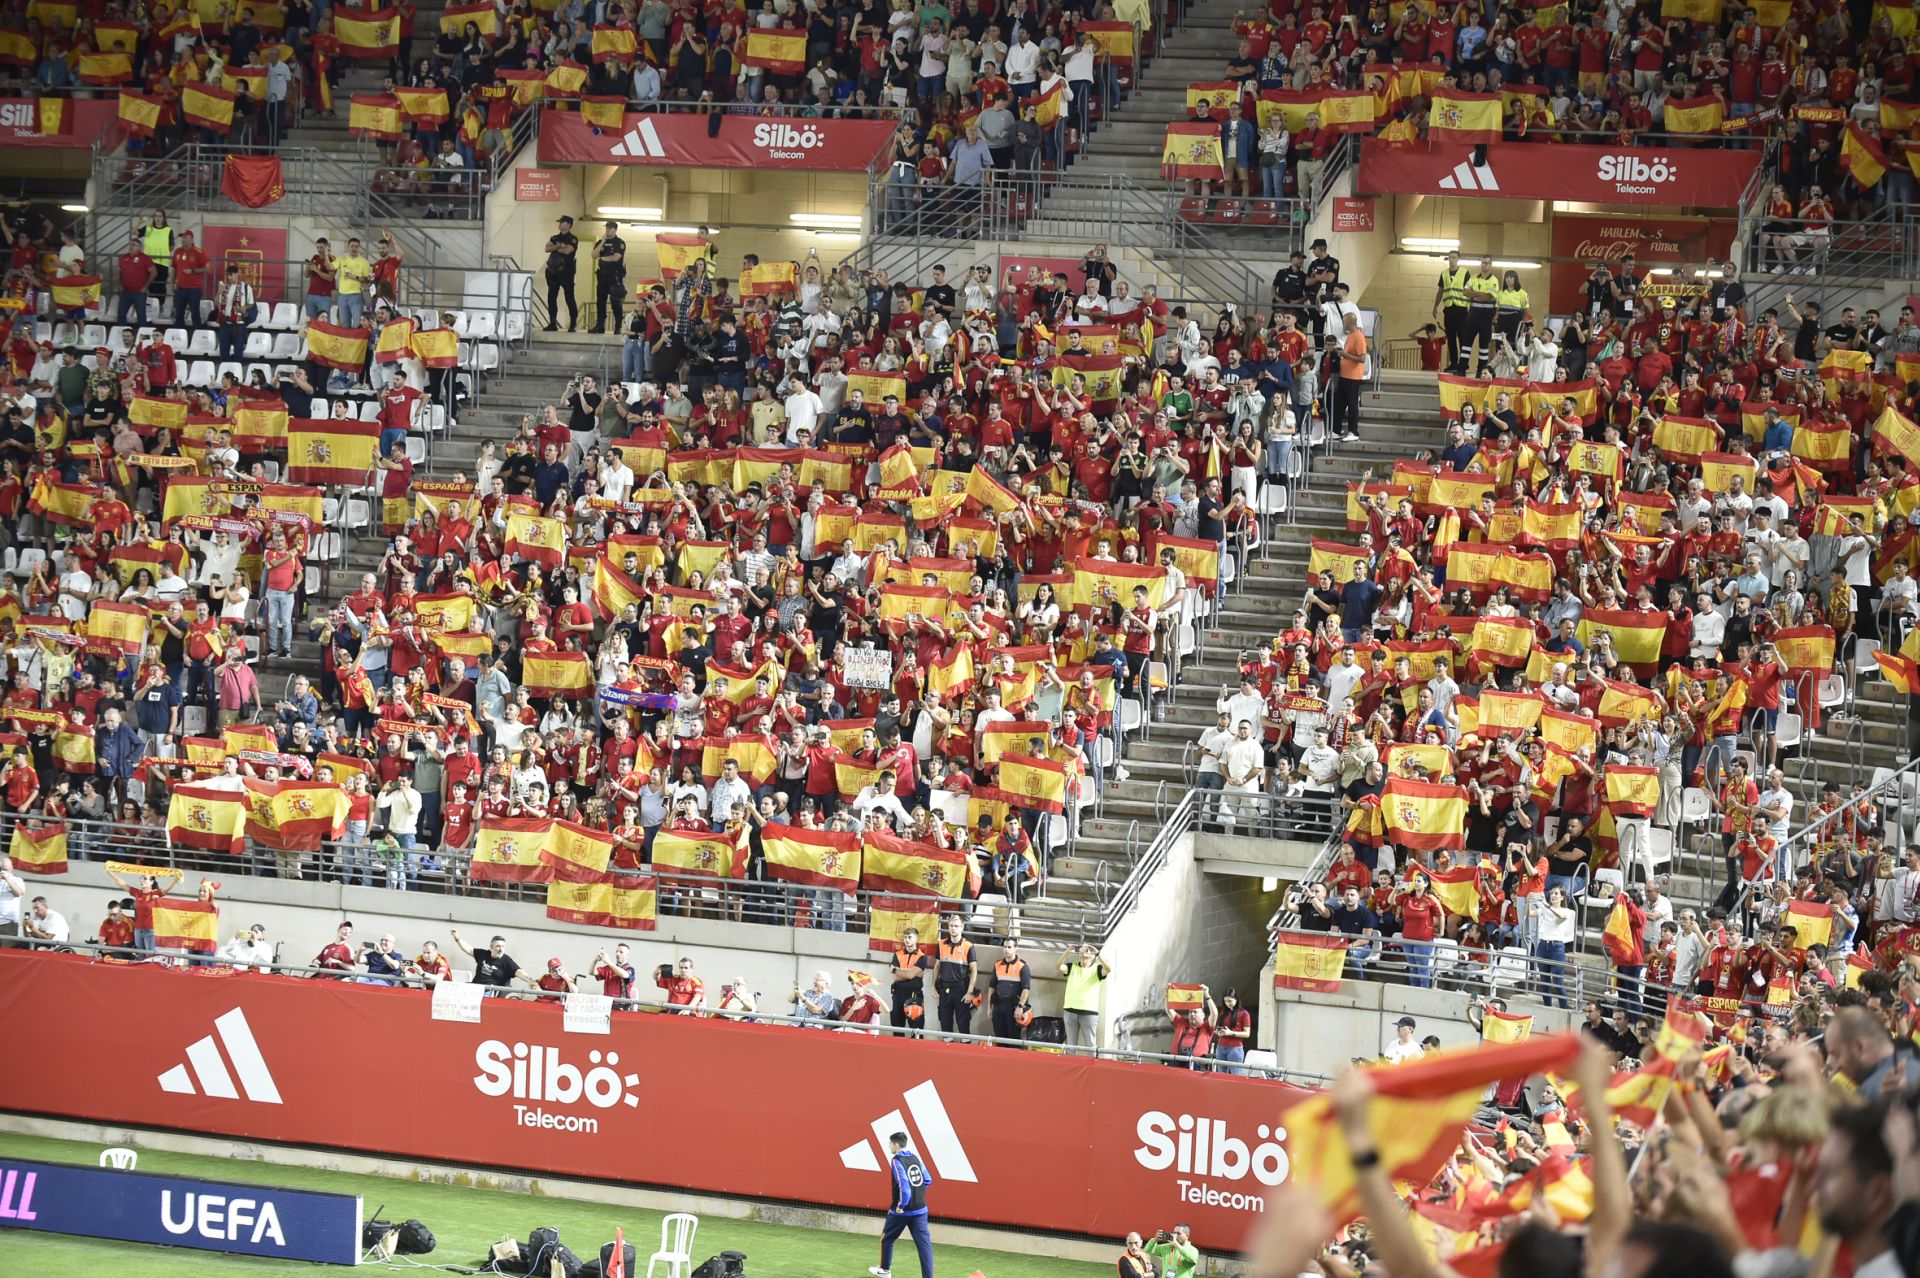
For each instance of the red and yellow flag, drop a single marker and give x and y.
(1469, 118)
(192, 926)
(76, 292)
(117, 627)
(330, 450)
(614, 42)
(1811, 921)
(367, 34)
(719, 856)
(1703, 114)
(1314, 961)
(1497, 1026)
(510, 850)
(1417, 1114)
(1862, 156)
(295, 816)
(889, 917)
(375, 115)
(1425, 816)
(604, 111)
(626, 901)
(567, 675)
(1636, 636)
(337, 347)
(1632, 791)
(1040, 783)
(777, 49)
(891, 864)
(1623, 946)
(816, 858)
(207, 819)
(1902, 672)
(1331, 556)
(536, 539)
(677, 251)
(39, 849)
(426, 105)
(1191, 150)
(575, 852)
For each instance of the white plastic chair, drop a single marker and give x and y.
(259, 344)
(486, 356)
(201, 373)
(676, 1246)
(1509, 970)
(416, 448)
(1273, 500)
(480, 326)
(203, 342)
(93, 335)
(230, 366)
(286, 346)
(120, 1158)
(1788, 733)
(1616, 879)
(286, 317)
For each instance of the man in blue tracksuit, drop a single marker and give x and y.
(908, 1210)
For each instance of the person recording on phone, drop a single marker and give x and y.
(385, 964)
(617, 974)
(1174, 1252)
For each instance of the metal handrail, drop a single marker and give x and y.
(637, 1006)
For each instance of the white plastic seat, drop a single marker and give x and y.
(676, 1246)
(202, 373)
(416, 449)
(1509, 969)
(93, 335)
(230, 366)
(1183, 639)
(259, 344)
(481, 326)
(321, 408)
(486, 356)
(1273, 500)
(370, 411)
(515, 328)
(1695, 806)
(1130, 715)
(359, 515)
(178, 339)
(1659, 847)
(30, 558)
(203, 342)
(1863, 650)
(117, 335)
(1617, 879)
(285, 318)
(1788, 732)
(460, 324)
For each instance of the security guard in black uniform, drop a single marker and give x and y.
(610, 277)
(910, 964)
(1290, 289)
(1012, 987)
(954, 977)
(562, 246)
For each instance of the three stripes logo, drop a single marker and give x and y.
(931, 1136)
(1467, 178)
(206, 1066)
(642, 141)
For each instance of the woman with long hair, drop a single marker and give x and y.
(1420, 919)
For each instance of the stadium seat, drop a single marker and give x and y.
(259, 344)
(515, 328)
(93, 335)
(416, 448)
(676, 1246)
(120, 1158)
(227, 366)
(203, 342)
(486, 356)
(285, 317)
(178, 339)
(201, 373)
(481, 326)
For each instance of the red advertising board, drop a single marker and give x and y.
(1353, 214)
(541, 186)
(1091, 1147)
(1657, 244)
(84, 122)
(741, 142)
(1707, 178)
(259, 251)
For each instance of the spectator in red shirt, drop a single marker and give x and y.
(1420, 917)
(336, 958)
(190, 266)
(136, 272)
(686, 992)
(861, 1007)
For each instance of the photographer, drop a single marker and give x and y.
(386, 965)
(1174, 1252)
(583, 401)
(617, 974)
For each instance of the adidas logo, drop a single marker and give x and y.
(1467, 178)
(205, 1065)
(641, 140)
(938, 1143)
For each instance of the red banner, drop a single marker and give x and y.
(1115, 1144)
(83, 122)
(259, 251)
(1656, 243)
(1705, 178)
(743, 142)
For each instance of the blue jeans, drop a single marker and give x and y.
(349, 307)
(1553, 972)
(1229, 1060)
(922, 1240)
(232, 340)
(279, 620)
(316, 304)
(1273, 181)
(633, 361)
(133, 301)
(1629, 982)
(1419, 963)
(356, 857)
(143, 940)
(389, 436)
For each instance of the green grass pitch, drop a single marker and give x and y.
(467, 1221)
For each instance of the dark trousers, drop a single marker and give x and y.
(1453, 321)
(608, 291)
(233, 340)
(922, 1240)
(186, 307)
(559, 286)
(131, 302)
(1003, 1024)
(956, 1014)
(1346, 407)
(898, 1018)
(1478, 339)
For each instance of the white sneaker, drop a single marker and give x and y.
(1775, 269)
(1349, 436)
(878, 1272)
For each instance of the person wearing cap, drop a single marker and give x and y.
(609, 276)
(116, 930)
(1404, 1047)
(554, 979)
(563, 248)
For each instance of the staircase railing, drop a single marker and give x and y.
(1883, 248)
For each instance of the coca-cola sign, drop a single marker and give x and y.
(1665, 250)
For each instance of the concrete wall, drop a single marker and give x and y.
(1322, 1033)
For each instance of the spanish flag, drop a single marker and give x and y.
(1772, 14)
(778, 50)
(1184, 998)
(338, 767)
(1213, 95)
(1115, 39)
(1718, 469)
(876, 387)
(39, 849)
(719, 856)
(1470, 118)
(1703, 114)
(330, 450)
(1500, 641)
(1312, 961)
(1457, 490)
(1040, 783)
(1191, 149)
(73, 748)
(1424, 816)
(337, 347)
(1196, 558)
(851, 776)
(769, 278)
(1902, 672)
(626, 901)
(295, 816)
(1331, 556)
(510, 850)
(207, 819)
(566, 79)
(891, 864)
(1897, 117)
(537, 539)
(576, 853)
(375, 115)
(1497, 1026)
(1636, 635)
(1047, 106)
(1556, 527)
(426, 106)
(70, 505)
(1622, 946)
(604, 111)
(1097, 582)
(754, 755)
(613, 590)
(1417, 1114)
(889, 917)
(436, 347)
(816, 858)
(117, 627)
(1806, 648)
(1632, 791)
(1457, 887)
(17, 49)
(1705, 12)
(454, 19)
(104, 68)
(192, 926)
(952, 673)
(1686, 439)
(1527, 577)
(1858, 964)
(989, 492)
(1862, 157)
(76, 292)
(677, 251)
(1811, 921)
(1893, 433)
(364, 33)
(1843, 366)
(260, 426)
(156, 413)
(395, 342)
(557, 674)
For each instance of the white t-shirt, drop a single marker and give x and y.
(1398, 1051)
(54, 926)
